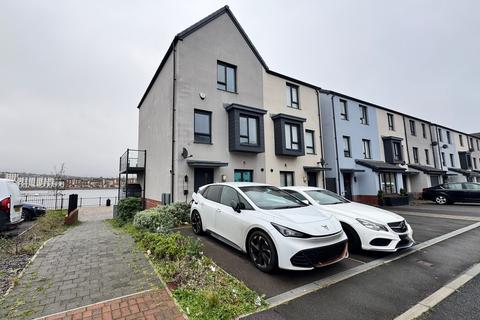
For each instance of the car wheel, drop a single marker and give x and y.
(196, 219)
(354, 242)
(262, 251)
(27, 215)
(441, 199)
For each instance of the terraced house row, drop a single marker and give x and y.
(214, 111)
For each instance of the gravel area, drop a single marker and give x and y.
(10, 267)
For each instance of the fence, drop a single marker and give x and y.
(61, 201)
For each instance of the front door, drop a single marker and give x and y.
(312, 179)
(201, 177)
(347, 185)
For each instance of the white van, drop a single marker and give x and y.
(10, 204)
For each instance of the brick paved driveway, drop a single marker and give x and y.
(90, 263)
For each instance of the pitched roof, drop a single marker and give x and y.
(380, 166)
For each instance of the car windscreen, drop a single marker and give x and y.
(325, 197)
(271, 198)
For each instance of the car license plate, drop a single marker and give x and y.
(18, 209)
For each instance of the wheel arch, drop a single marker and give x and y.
(259, 228)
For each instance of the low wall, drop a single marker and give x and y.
(71, 218)
(150, 203)
(371, 200)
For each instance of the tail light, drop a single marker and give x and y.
(5, 205)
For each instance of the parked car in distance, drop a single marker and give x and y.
(275, 229)
(450, 193)
(367, 227)
(10, 204)
(31, 211)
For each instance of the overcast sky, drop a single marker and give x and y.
(73, 72)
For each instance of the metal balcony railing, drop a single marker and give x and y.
(132, 161)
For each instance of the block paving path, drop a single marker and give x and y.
(88, 264)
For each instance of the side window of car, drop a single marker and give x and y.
(228, 195)
(454, 186)
(213, 193)
(203, 192)
(245, 202)
(472, 186)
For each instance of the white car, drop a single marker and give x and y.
(10, 204)
(367, 227)
(272, 227)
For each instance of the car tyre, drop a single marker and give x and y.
(354, 242)
(197, 226)
(27, 215)
(441, 199)
(262, 251)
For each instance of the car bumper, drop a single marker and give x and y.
(310, 253)
(386, 241)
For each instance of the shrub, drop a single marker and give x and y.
(126, 209)
(173, 246)
(156, 220)
(180, 211)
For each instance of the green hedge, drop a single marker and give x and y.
(126, 210)
(163, 219)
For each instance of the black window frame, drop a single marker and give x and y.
(397, 146)
(452, 159)
(388, 177)
(460, 137)
(415, 155)
(366, 142)
(195, 134)
(283, 175)
(347, 148)
(440, 135)
(344, 112)
(449, 137)
(363, 115)
(478, 145)
(257, 122)
(391, 121)
(413, 128)
(310, 149)
(444, 160)
(293, 104)
(242, 171)
(427, 156)
(226, 65)
(291, 124)
(474, 163)
(424, 130)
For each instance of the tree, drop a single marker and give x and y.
(58, 180)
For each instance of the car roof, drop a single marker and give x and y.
(238, 184)
(301, 188)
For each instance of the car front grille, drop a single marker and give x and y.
(317, 256)
(398, 227)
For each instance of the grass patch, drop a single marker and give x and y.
(202, 289)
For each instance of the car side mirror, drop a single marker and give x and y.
(237, 206)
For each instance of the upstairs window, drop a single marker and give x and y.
(474, 163)
(391, 124)
(478, 145)
(413, 128)
(461, 139)
(471, 143)
(366, 149)
(292, 96)
(424, 131)
(346, 147)
(449, 138)
(202, 126)
(248, 130)
(363, 115)
(427, 156)
(444, 162)
(415, 154)
(226, 77)
(343, 109)
(291, 136)
(309, 142)
(440, 135)
(452, 160)
(397, 151)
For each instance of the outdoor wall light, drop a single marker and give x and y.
(224, 178)
(271, 170)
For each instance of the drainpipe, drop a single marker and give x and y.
(172, 170)
(336, 145)
(433, 148)
(440, 160)
(406, 138)
(321, 134)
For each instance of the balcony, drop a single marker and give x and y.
(132, 161)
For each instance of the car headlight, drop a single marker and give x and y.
(372, 225)
(287, 232)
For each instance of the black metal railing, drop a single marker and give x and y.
(132, 159)
(61, 201)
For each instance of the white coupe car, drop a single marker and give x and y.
(274, 228)
(367, 227)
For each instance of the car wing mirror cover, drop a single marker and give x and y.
(237, 206)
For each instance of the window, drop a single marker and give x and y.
(454, 186)
(440, 135)
(226, 77)
(310, 141)
(388, 182)
(202, 126)
(397, 153)
(424, 131)
(291, 136)
(292, 96)
(413, 129)
(343, 109)
(271, 198)
(415, 154)
(449, 138)
(391, 124)
(461, 139)
(213, 193)
(472, 186)
(243, 175)
(478, 145)
(326, 197)
(248, 130)
(427, 157)
(452, 160)
(363, 115)
(286, 178)
(366, 149)
(474, 163)
(296, 194)
(346, 147)
(444, 162)
(228, 195)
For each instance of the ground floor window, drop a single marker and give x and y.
(388, 182)
(434, 180)
(243, 175)
(286, 178)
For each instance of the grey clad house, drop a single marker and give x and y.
(215, 112)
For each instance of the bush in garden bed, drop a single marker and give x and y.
(163, 218)
(126, 210)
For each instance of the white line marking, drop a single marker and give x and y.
(440, 295)
(359, 261)
(436, 215)
(317, 285)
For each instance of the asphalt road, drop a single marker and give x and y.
(470, 209)
(19, 229)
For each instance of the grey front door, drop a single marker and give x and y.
(201, 177)
(312, 179)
